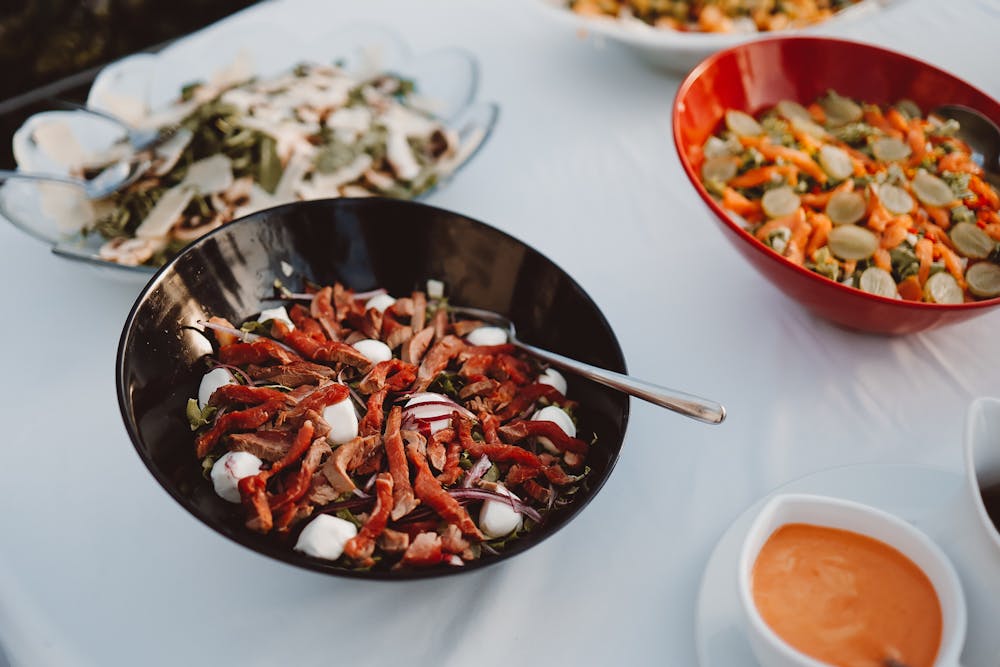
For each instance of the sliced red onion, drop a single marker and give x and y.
(431, 406)
(244, 336)
(236, 371)
(360, 494)
(477, 471)
(483, 494)
(297, 296)
(350, 504)
(371, 482)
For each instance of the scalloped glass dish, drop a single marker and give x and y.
(679, 51)
(447, 82)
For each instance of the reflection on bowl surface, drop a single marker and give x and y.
(363, 244)
(756, 76)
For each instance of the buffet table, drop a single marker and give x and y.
(99, 566)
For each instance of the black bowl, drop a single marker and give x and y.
(363, 243)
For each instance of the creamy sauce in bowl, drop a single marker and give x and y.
(846, 599)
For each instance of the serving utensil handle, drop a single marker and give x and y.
(6, 175)
(689, 405)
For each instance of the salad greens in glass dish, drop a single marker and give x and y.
(360, 118)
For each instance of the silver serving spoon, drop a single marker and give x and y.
(109, 180)
(695, 407)
(140, 139)
(980, 133)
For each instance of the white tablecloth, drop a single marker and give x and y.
(98, 566)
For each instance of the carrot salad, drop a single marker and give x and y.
(383, 433)
(883, 199)
(716, 15)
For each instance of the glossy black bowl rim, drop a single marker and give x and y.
(318, 565)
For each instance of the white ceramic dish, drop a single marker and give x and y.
(977, 554)
(769, 648)
(681, 51)
(926, 497)
(132, 88)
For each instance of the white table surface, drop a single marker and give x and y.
(98, 566)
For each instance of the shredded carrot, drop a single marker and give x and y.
(896, 232)
(951, 262)
(939, 215)
(817, 113)
(873, 116)
(795, 250)
(924, 250)
(984, 191)
(737, 203)
(821, 226)
(897, 121)
(911, 289)
(960, 162)
(820, 200)
(882, 259)
(993, 230)
(788, 222)
(917, 141)
(755, 177)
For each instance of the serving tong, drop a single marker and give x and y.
(116, 175)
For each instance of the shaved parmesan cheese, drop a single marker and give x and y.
(170, 151)
(356, 191)
(350, 122)
(400, 156)
(291, 178)
(166, 212)
(409, 123)
(213, 174)
(328, 185)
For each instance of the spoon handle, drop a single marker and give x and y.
(6, 174)
(689, 405)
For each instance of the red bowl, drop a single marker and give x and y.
(757, 75)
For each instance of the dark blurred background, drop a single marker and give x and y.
(54, 48)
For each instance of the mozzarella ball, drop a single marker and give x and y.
(278, 313)
(487, 336)
(435, 289)
(325, 537)
(557, 416)
(380, 302)
(553, 377)
(343, 421)
(215, 378)
(498, 518)
(229, 470)
(375, 351)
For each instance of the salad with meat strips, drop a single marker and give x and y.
(883, 199)
(383, 432)
(241, 146)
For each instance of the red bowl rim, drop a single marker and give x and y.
(723, 215)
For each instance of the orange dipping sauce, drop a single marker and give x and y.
(846, 599)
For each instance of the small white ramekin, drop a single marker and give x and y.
(770, 649)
